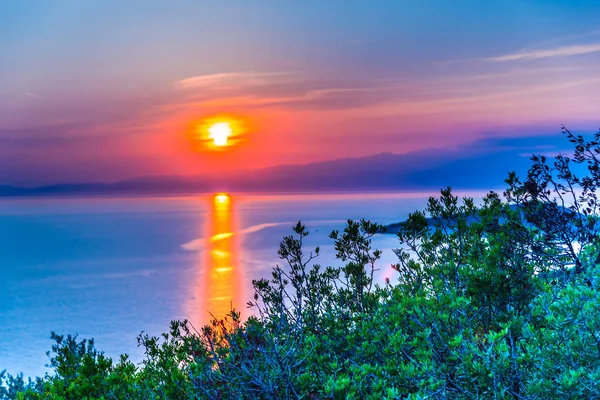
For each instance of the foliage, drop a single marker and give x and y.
(492, 301)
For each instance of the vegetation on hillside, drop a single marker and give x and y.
(497, 301)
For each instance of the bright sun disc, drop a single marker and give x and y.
(219, 133)
(221, 198)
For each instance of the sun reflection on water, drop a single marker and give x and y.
(221, 288)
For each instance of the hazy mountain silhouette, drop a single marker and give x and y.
(427, 169)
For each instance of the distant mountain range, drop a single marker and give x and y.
(429, 169)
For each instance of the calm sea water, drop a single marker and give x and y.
(109, 268)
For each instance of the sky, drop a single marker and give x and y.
(106, 90)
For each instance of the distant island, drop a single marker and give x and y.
(395, 227)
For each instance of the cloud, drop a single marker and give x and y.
(323, 91)
(548, 53)
(331, 98)
(233, 80)
(486, 101)
(575, 36)
(291, 90)
(34, 95)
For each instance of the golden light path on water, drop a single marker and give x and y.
(219, 272)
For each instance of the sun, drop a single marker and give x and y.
(219, 132)
(221, 198)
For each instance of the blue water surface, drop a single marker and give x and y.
(109, 268)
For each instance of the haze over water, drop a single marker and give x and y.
(109, 268)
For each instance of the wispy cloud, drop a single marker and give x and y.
(484, 100)
(233, 79)
(418, 95)
(548, 53)
(321, 98)
(574, 36)
(34, 95)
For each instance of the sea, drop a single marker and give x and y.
(109, 268)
